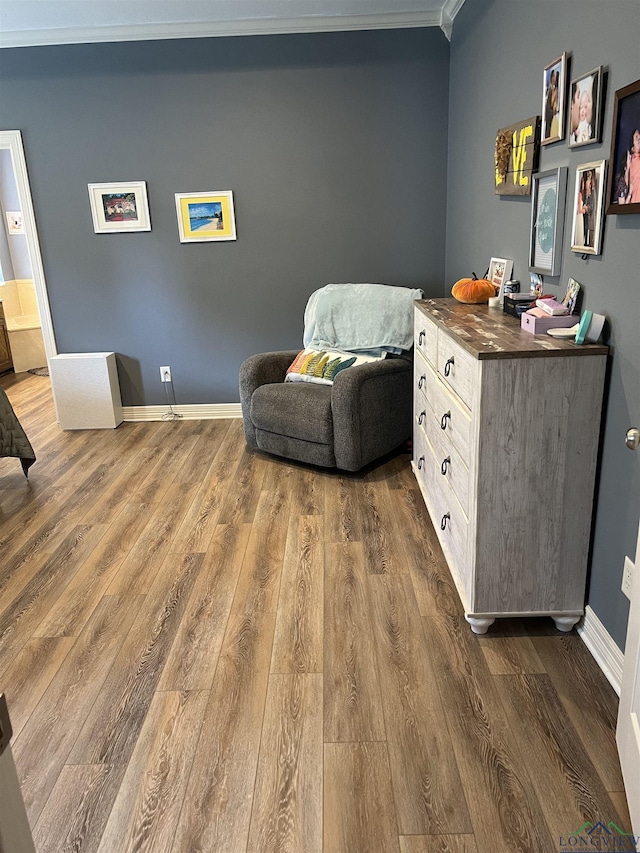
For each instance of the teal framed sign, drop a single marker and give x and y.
(547, 221)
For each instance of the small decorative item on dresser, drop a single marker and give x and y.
(473, 291)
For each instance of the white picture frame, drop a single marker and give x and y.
(588, 208)
(500, 270)
(119, 207)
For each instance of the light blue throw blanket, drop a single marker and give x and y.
(360, 317)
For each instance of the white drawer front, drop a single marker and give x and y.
(457, 368)
(452, 529)
(423, 460)
(450, 465)
(425, 336)
(452, 418)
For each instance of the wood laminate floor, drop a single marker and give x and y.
(208, 649)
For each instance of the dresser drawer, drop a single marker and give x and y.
(452, 418)
(425, 336)
(450, 465)
(452, 529)
(423, 460)
(457, 368)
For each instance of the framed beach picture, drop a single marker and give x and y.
(547, 220)
(203, 217)
(585, 111)
(586, 230)
(623, 185)
(553, 100)
(119, 207)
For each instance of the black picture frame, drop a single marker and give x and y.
(626, 124)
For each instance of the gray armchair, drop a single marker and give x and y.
(366, 413)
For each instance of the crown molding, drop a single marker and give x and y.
(211, 29)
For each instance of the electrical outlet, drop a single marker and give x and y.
(165, 374)
(627, 577)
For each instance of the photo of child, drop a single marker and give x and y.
(553, 101)
(584, 115)
(623, 189)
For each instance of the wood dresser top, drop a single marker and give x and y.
(490, 333)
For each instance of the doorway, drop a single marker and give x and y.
(20, 223)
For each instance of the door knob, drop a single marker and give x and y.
(633, 438)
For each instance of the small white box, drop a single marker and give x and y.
(85, 389)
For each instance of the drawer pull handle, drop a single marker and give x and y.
(421, 381)
(448, 365)
(422, 417)
(421, 337)
(420, 463)
(446, 517)
(443, 467)
(443, 420)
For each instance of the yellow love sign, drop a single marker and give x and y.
(516, 157)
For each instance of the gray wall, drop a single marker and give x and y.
(333, 144)
(498, 52)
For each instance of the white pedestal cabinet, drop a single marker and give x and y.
(85, 390)
(505, 445)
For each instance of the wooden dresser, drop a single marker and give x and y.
(505, 444)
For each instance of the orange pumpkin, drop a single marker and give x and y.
(473, 290)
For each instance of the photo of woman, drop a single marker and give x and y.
(587, 210)
(623, 188)
(553, 101)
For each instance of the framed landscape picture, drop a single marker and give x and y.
(553, 100)
(623, 185)
(586, 230)
(547, 221)
(204, 217)
(119, 207)
(585, 119)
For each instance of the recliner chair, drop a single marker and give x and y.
(363, 415)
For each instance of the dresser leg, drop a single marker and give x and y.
(566, 623)
(478, 625)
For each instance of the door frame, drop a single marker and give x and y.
(11, 140)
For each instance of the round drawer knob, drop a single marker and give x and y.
(448, 366)
(445, 463)
(443, 420)
(446, 517)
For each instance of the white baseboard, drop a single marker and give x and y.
(603, 648)
(205, 412)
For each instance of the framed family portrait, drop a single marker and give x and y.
(547, 220)
(586, 230)
(119, 207)
(553, 100)
(499, 271)
(623, 184)
(585, 109)
(203, 217)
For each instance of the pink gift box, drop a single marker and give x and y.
(536, 321)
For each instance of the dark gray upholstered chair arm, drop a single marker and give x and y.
(372, 411)
(261, 369)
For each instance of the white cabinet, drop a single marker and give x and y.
(86, 391)
(505, 444)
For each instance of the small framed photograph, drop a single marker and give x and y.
(15, 222)
(553, 100)
(623, 184)
(119, 207)
(571, 296)
(547, 220)
(585, 120)
(499, 271)
(203, 217)
(586, 232)
(537, 287)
